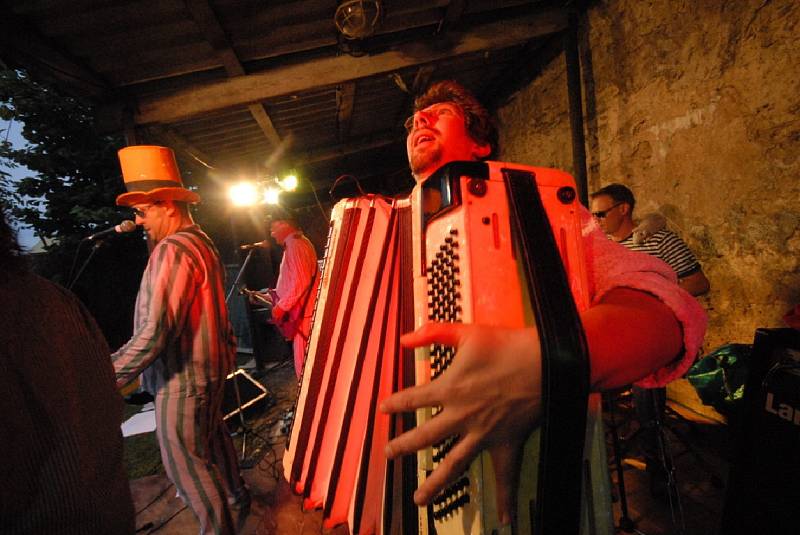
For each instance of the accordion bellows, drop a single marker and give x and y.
(478, 242)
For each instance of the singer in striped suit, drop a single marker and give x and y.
(182, 344)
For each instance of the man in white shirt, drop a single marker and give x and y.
(293, 297)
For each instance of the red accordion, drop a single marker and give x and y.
(479, 242)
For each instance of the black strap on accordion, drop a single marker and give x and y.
(565, 364)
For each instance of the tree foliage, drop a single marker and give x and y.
(6, 188)
(76, 176)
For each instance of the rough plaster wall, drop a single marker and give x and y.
(696, 107)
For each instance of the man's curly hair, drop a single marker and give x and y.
(479, 122)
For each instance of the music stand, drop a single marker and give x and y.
(240, 407)
(246, 430)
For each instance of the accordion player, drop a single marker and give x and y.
(479, 242)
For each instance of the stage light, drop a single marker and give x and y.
(272, 195)
(288, 183)
(243, 194)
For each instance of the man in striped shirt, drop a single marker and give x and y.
(183, 344)
(612, 207)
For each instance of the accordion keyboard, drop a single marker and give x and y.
(444, 304)
(473, 253)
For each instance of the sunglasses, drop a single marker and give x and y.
(601, 214)
(142, 212)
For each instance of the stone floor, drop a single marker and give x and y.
(700, 463)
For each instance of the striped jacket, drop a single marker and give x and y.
(182, 338)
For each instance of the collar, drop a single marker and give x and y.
(628, 237)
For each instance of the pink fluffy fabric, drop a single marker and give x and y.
(611, 265)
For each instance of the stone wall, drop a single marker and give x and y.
(696, 107)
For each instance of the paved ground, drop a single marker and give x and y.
(276, 510)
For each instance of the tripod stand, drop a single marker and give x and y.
(625, 523)
(243, 426)
(660, 464)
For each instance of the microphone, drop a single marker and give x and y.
(257, 245)
(125, 226)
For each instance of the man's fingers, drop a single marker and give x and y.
(434, 430)
(452, 466)
(412, 398)
(449, 334)
(506, 461)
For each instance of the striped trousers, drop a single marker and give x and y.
(198, 455)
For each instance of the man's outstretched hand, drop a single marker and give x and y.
(490, 396)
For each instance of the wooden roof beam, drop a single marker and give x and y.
(208, 22)
(257, 87)
(338, 151)
(452, 14)
(179, 143)
(22, 45)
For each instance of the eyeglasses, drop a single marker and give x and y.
(435, 110)
(142, 212)
(601, 214)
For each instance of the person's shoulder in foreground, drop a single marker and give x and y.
(60, 414)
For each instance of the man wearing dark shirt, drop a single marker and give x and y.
(63, 470)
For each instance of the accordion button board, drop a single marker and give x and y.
(470, 255)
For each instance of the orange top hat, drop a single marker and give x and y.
(151, 174)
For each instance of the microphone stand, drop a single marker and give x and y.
(245, 428)
(239, 275)
(95, 247)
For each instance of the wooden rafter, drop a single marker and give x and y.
(207, 20)
(257, 87)
(329, 153)
(175, 140)
(20, 41)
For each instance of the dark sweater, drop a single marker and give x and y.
(61, 463)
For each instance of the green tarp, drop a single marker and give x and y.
(719, 377)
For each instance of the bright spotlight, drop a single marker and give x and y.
(243, 194)
(288, 183)
(272, 195)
